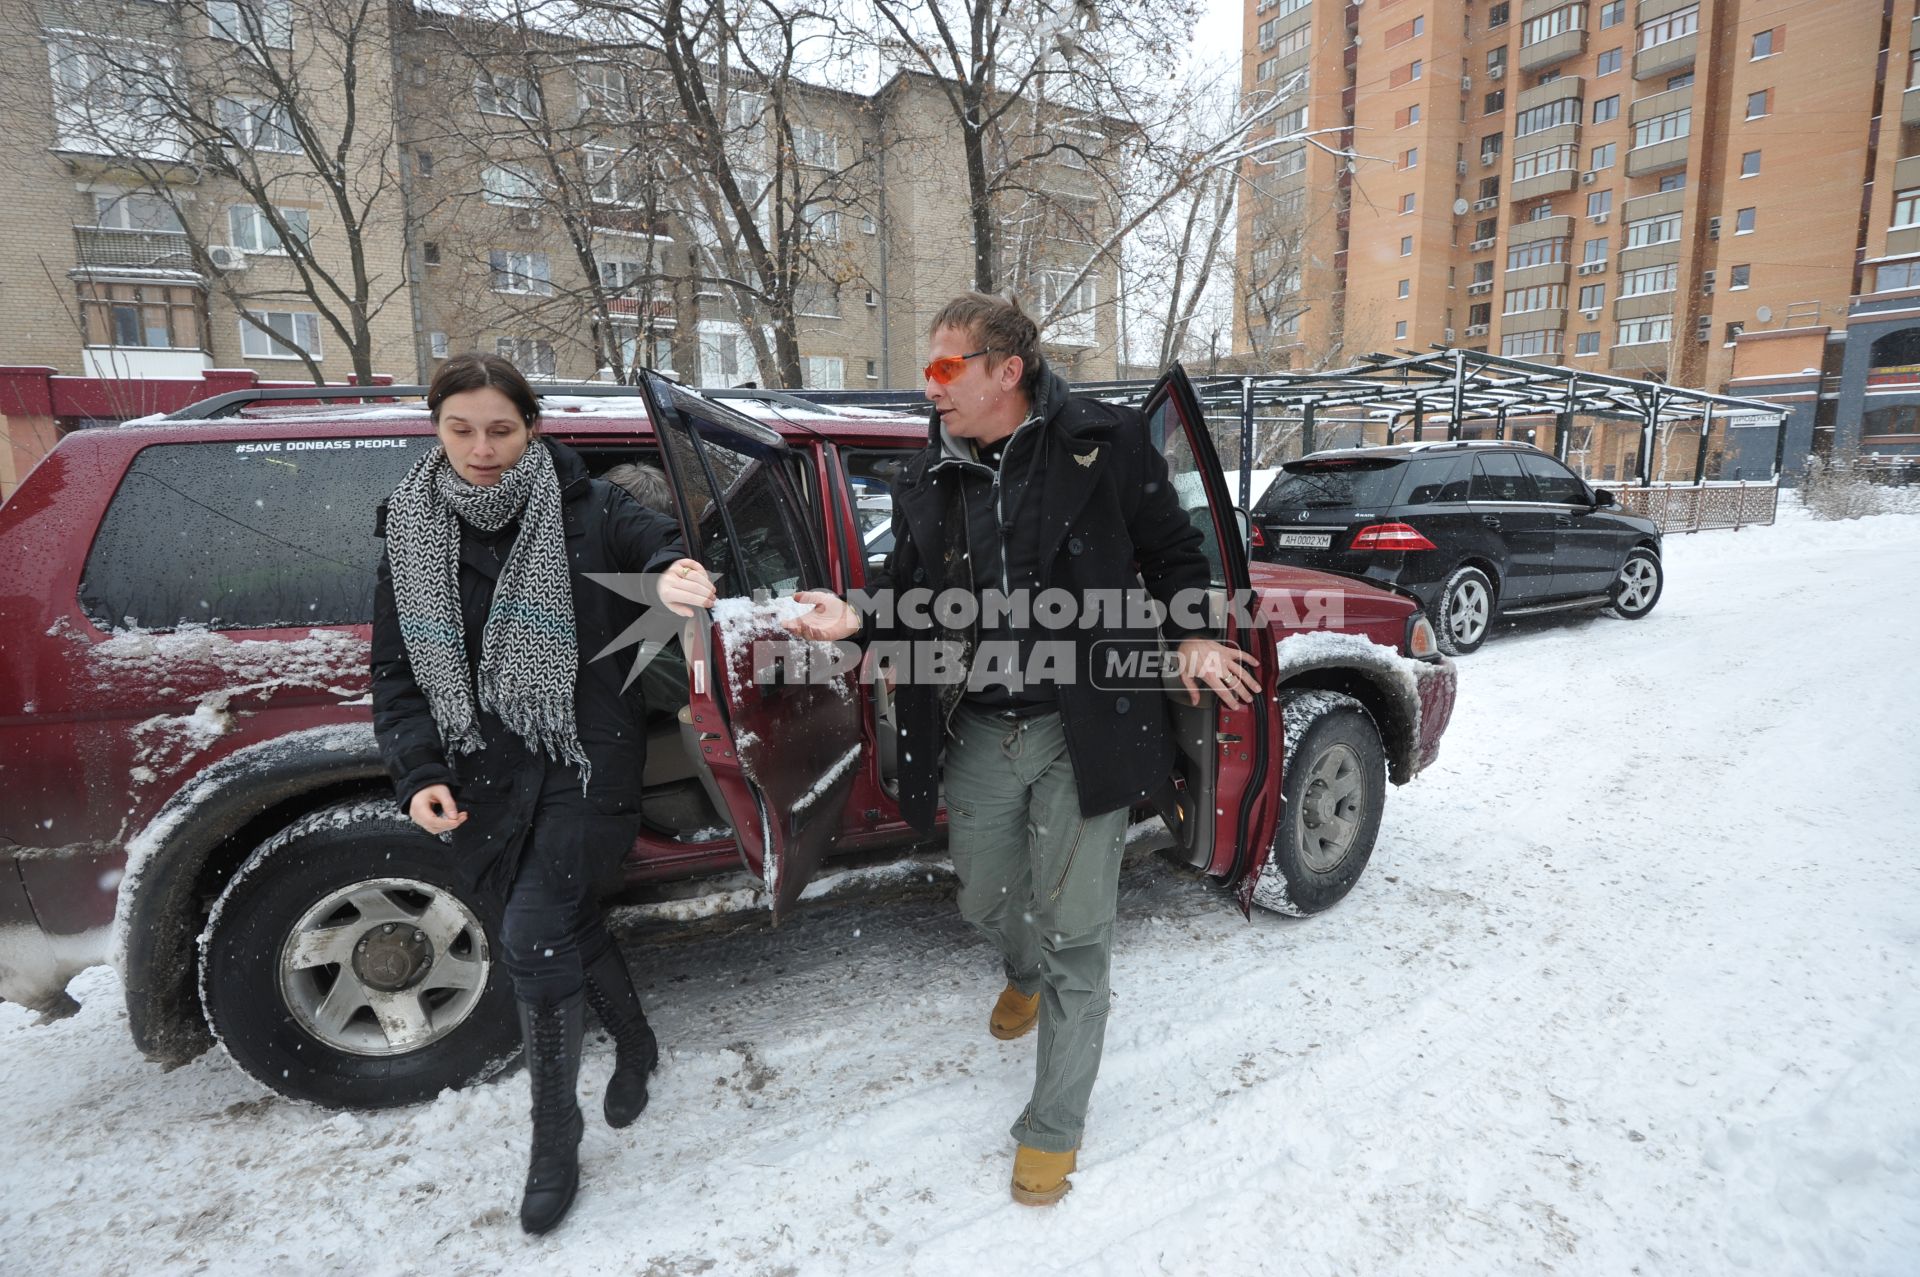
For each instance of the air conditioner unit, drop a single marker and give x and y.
(1446, 335)
(1599, 219)
(1466, 84)
(1480, 288)
(1706, 283)
(225, 257)
(1461, 168)
(1476, 330)
(1489, 157)
(1480, 245)
(1713, 228)
(1494, 73)
(1481, 206)
(1592, 268)
(1589, 315)
(1587, 178)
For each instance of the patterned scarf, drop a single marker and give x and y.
(529, 655)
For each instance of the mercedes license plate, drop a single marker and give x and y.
(1307, 540)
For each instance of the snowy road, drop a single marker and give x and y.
(1630, 987)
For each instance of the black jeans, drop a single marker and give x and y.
(552, 928)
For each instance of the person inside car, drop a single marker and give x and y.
(502, 734)
(1039, 773)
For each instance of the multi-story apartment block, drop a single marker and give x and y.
(1708, 192)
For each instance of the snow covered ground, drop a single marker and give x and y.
(1630, 987)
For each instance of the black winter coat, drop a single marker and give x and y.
(606, 531)
(1108, 519)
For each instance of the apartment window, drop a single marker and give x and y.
(1400, 331)
(530, 355)
(1480, 314)
(1641, 332)
(1906, 208)
(1497, 59)
(618, 275)
(1410, 158)
(437, 345)
(1913, 69)
(1602, 156)
(1541, 342)
(1265, 33)
(1586, 344)
(1520, 301)
(818, 300)
(873, 370)
(430, 252)
(517, 272)
(252, 231)
(1653, 230)
(1740, 276)
(1593, 296)
(1759, 104)
(1650, 279)
(1406, 31)
(1494, 103)
(1607, 108)
(254, 124)
(1497, 15)
(506, 95)
(423, 163)
(1750, 164)
(1897, 275)
(1607, 63)
(1743, 222)
(1681, 80)
(262, 22)
(815, 147)
(135, 211)
(1292, 41)
(1404, 74)
(824, 372)
(1565, 111)
(156, 316)
(1548, 25)
(1406, 286)
(1490, 187)
(1540, 252)
(1295, 120)
(1287, 163)
(1406, 202)
(1406, 246)
(869, 225)
(291, 332)
(1490, 147)
(1670, 27)
(1594, 250)
(102, 104)
(1483, 272)
(1762, 45)
(1613, 13)
(1265, 70)
(1663, 128)
(1599, 203)
(509, 186)
(611, 177)
(1486, 228)
(603, 88)
(1539, 163)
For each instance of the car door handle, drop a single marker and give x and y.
(1490, 521)
(1563, 520)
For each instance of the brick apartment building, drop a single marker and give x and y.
(1723, 194)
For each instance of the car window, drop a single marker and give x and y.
(256, 535)
(872, 474)
(1332, 485)
(1553, 481)
(1437, 480)
(1183, 470)
(1497, 477)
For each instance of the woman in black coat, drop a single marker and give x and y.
(502, 733)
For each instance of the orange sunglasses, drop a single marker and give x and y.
(943, 371)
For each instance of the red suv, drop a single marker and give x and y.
(191, 788)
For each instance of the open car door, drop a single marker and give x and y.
(1214, 805)
(778, 731)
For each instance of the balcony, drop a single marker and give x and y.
(1567, 86)
(1539, 229)
(1643, 161)
(1567, 134)
(1643, 305)
(1533, 320)
(1670, 56)
(1906, 173)
(1557, 48)
(1553, 183)
(1660, 104)
(1659, 204)
(1650, 255)
(1645, 357)
(109, 248)
(1536, 276)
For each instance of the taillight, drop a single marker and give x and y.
(1391, 536)
(1258, 539)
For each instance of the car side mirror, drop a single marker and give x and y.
(1244, 517)
(1601, 497)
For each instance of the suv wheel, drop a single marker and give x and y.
(1637, 588)
(1464, 612)
(344, 966)
(1335, 788)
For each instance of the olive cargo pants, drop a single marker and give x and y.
(1039, 880)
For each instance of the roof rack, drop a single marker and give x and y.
(228, 404)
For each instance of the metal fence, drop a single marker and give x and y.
(1698, 507)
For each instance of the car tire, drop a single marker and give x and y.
(342, 965)
(1637, 588)
(1463, 613)
(1335, 786)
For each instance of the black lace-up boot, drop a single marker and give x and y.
(636, 1052)
(552, 1034)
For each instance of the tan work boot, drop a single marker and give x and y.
(1014, 1015)
(1040, 1178)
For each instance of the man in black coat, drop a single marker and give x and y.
(1033, 519)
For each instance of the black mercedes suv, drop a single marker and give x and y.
(1476, 529)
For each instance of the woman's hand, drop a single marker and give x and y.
(684, 586)
(433, 809)
(830, 617)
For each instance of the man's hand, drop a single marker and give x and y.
(684, 586)
(433, 810)
(1230, 672)
(829, 617)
